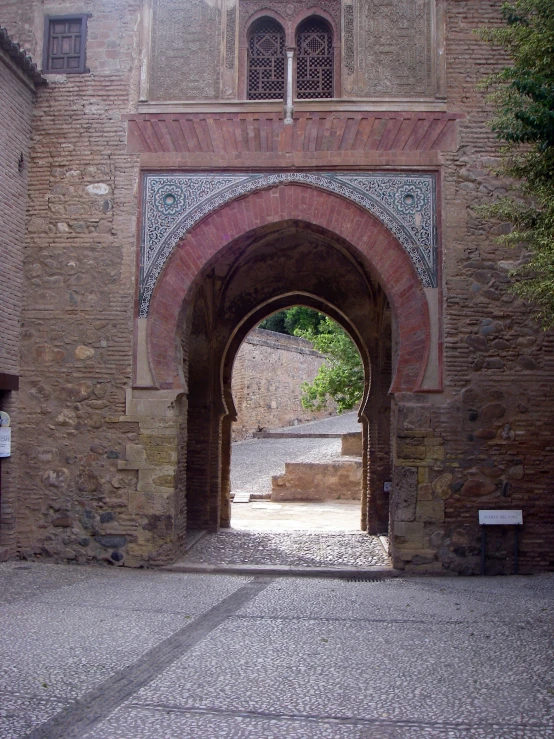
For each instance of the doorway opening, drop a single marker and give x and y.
(296, 463)
(287, 264)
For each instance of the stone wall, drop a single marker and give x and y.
(98, 449)
(486, 442)
(267, 376)
(79, 270)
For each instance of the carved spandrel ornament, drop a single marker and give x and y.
(186, 38)
(394, 48)
(287, 9)
(174, 203)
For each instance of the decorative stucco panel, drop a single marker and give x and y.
(174, 203)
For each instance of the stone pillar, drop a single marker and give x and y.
(225, 494)
(154, 456)
(420, 486)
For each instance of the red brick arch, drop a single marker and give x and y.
(373, 242)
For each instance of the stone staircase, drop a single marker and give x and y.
(339, 479)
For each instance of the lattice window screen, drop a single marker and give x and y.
(314, 60)
(266, 62)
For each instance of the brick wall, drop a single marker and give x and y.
(16, 101)
(267, 377)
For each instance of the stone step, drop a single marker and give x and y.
(377, 572)
(292, 435)
(334, 480)
(351, 444)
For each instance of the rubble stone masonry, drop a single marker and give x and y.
(97, 458)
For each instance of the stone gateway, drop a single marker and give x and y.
(180, 170)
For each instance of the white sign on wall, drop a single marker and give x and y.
(501, 518)
(5, 441)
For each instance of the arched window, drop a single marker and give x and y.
(266, 61)
(314, 60)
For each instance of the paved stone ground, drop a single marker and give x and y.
(294, 548)
(101, 653)
(343, 424)
(297, 515)
(254, 461)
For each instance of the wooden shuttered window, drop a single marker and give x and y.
(64, 44)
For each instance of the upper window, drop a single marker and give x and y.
(266, 61)
(64, 44)
(314, 60)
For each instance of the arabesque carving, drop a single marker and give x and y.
(175, 203)
(348, 21)
(287, 9)
(230, 37)
(185, 50)
(394, 48)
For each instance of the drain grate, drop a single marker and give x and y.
(362, 579)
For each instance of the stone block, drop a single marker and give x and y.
(425, 492)
(404, 495)
(111, 541)
(435, 452)
(430, 511)
(351, 444)
(135, 453)
(477, 488)
(341, 480)
(407, 554)
(422, 475)
(412, 531)
(147, 479)
(412, 417)
(409, 451)
(441, 486)
(157, 455)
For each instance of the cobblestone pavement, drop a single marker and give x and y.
(294, 548)
(254, 461)
(111, 653)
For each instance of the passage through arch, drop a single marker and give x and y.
(254, 275)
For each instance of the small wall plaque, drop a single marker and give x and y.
(500, 518)
(5, 441)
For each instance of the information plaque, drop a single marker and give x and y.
(5, 441)
(501, 518)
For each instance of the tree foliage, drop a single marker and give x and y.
(523, 94)
(341, 377)
(298, 317)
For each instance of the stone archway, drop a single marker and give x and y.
(196, 266)
(368, 237)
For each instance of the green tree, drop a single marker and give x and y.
(341, 377)
(275, 322)
(523, 94)
(287, 321)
